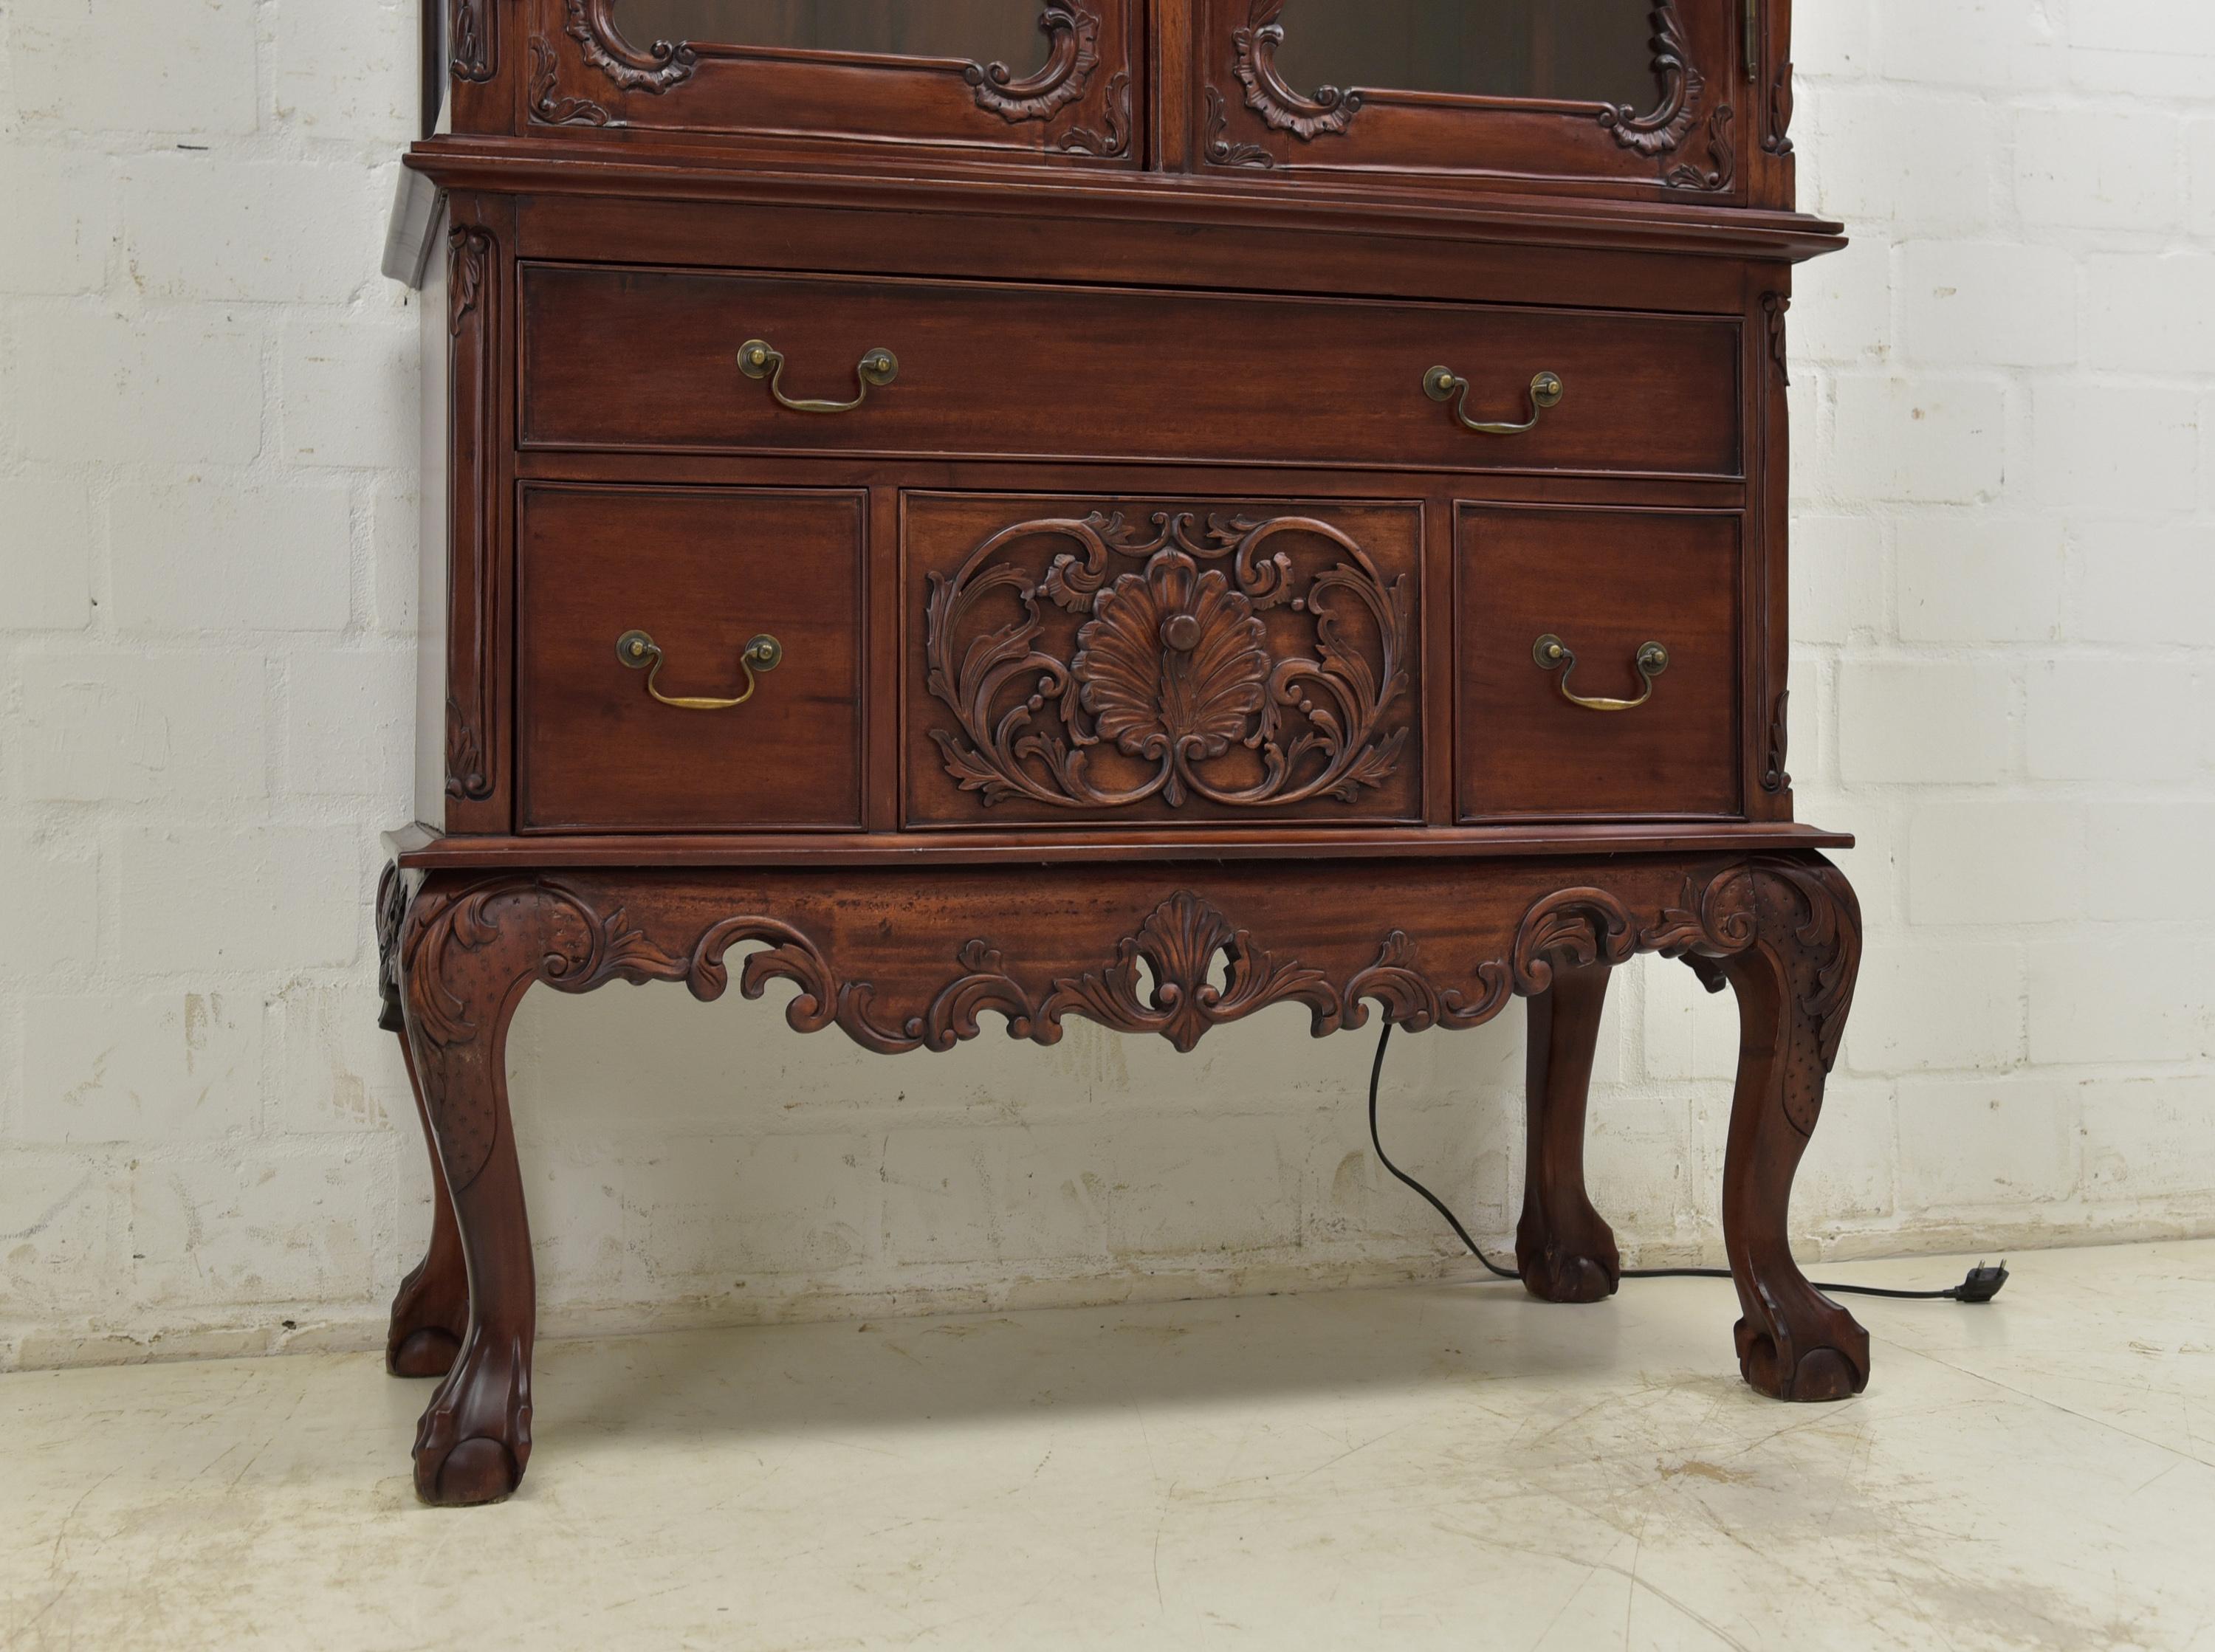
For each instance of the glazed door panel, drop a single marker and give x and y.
(1141, 661)
(997, 77)
(1615, 96)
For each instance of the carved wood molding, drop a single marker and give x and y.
(664, 64)
(1074, 34)
(1174, 666)
(546, 103)
(1329, 112)
(1220, 150)
(474, 53)
(1661, 130)
(470, 251)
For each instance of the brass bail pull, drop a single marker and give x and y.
(641, 653)
(759, 358)
(1555, 655)
(1443, 384)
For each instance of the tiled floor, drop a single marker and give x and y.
(1438, 1466)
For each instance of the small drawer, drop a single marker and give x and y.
(630, 359)
(1656, 734)
(694, 575)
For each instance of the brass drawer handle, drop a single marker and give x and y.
(1443, 384)
(759, 358)
(641, 653)
(1552, 654)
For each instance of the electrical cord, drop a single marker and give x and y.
(1981, 1286)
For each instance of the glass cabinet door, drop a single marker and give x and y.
(991, 75)
(1619, 95)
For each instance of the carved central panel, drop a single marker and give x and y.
(1162, 662)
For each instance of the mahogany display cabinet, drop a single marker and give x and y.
(1147, 510)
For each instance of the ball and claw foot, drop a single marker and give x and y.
(1556, 1274)
(1815, 1352)
(474, 1441)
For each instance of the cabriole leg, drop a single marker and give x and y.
(467, 956)
(1565, 1251)
(1794, 985)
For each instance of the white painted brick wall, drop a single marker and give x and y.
(2004, 597)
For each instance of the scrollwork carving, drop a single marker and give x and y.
(548, 105)
(1074, 34)
(1660, 131)
(1327, 113)
(1172, 667)
(663, 66)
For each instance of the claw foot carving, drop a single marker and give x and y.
(474, 1442)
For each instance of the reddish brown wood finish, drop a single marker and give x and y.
(703, 572)
(1566, 1252)
(1204, 661)
(1685, 138)
(1132, 375)
(1606, 583)
(1056, 733)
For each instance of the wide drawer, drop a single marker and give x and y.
(695, 576)
(637, 358)
(1598, 662)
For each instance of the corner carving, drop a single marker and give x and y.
(1662, 130)
(1721, 150)
(474, 54)
(1174, 666)
(1114, 137)
(664, 65)
(1220, 150)
(546, 103)
(1074, 52)
(1329, 112)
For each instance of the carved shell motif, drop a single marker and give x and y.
(1174, 669)
(1175, 661)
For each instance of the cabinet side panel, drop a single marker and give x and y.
(432, 623)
